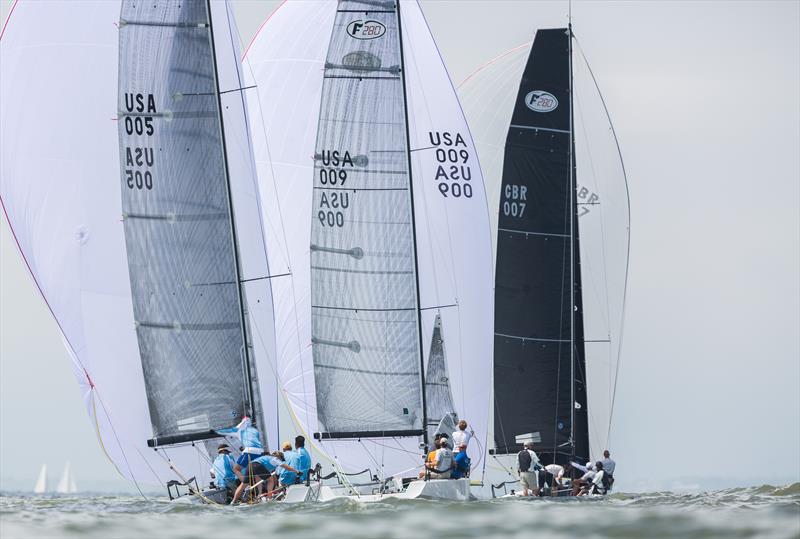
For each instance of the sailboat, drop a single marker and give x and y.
(158, 282)
(66, 485)
(41, 482)
(561, 255)
(386, 187)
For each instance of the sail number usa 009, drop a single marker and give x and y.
(139, 161)
(452, 171)
(333, 173)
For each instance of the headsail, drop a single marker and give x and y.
(441, 415)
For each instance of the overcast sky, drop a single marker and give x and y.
(704, 96)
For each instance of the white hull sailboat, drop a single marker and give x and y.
(394, 303)
(155, 282)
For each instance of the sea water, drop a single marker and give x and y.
(765, 511)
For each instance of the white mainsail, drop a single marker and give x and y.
(41, 482)
(449, 205)
(64, 208)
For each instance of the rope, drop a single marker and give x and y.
(172, 467)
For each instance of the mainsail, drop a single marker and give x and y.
(453, 276)
(539, 366)
(69, 221)
(365, 327)
(179, 232)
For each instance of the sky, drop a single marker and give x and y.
(704, 98)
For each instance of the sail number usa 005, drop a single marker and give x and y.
(452, 171)
(139, 161)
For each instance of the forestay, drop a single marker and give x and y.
(67, 217)
(453, 242)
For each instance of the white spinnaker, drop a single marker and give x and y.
(453, 241)
(488, 96)
(60, 191)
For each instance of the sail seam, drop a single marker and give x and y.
(517, 126)
(533, 233)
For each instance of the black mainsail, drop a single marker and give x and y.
(539, 362)
(178, 222)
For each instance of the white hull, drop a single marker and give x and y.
(435, 489)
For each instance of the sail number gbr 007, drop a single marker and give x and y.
(138, 122)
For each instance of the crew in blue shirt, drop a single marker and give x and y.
(290, 457)
(460, 463)
(261, 470)
(303, 458)
(250, 438)
(224, 468)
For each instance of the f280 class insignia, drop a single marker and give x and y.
(365, 29)
(541, 101)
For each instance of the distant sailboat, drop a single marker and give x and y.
(66, 484)
(41, 481)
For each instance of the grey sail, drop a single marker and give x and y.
(441, 416)
(365, 317)
(177, 221)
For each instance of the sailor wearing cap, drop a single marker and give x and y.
(224, 469)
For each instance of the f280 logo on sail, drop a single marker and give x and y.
(365, 29)
(541, 101)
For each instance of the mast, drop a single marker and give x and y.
(572, 213)
(413, 231)
(242, 316)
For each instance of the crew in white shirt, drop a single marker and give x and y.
(461, 436)
(444, 461)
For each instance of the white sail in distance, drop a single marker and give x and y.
(41, 482)
(66, 216)
(66, 485)
(454, 272)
